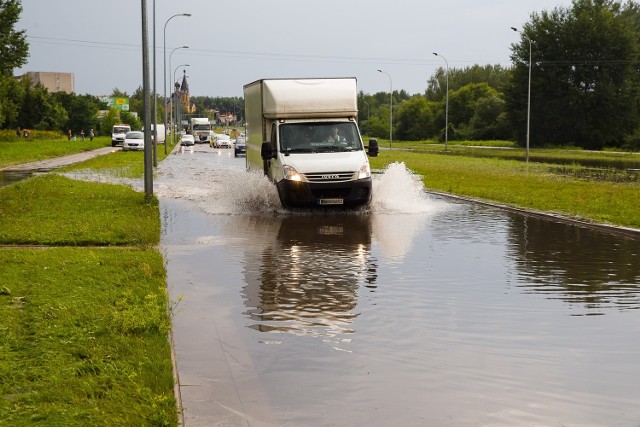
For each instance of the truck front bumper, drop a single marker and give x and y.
(305, 194)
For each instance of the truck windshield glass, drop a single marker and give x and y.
(201, 127)
(319, 137)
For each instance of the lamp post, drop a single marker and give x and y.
(390, 107)
(148, 172)
(155, 101)
(164, 71)
(446, 108)
(170, 56)
(528, 92)
(177, 106)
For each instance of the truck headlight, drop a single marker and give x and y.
(291, 173)
(365, 171)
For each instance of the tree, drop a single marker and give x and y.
(377, 126)
(40, 110)
(14, 49)
(105, 124)
(584, 85)
(489, 119)
(83, 113)
(130, 119)
(416, 119)
(493, 75)
(11, 94)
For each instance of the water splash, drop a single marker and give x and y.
(398, 190)
(222, 186)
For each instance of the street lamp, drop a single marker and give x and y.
(164, 70)
(446, 108)
(528, 92)
(148, 172)
(170, 56)
(390, 107)
(177, 106)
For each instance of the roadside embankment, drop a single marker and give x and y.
(83, 305)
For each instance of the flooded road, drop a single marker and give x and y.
(418, 312)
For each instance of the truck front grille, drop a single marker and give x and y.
(330, 177)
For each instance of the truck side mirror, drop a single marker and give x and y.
(372, 149)
(266, 151)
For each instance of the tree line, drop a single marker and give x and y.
(585, 71)
(584, 86)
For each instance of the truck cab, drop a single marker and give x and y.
(318, 163)
(118, 133)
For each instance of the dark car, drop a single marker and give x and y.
(240, 147)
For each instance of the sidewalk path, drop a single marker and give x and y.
(57, 162)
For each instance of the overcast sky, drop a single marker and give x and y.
(236, 42)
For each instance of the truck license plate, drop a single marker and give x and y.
(330, 201)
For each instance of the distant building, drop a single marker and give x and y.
(54, 82)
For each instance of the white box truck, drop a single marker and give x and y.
(161, 132)
(303, 134)
(200, 128)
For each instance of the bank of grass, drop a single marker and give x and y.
(510, 150)
(84, 338)
(526, 185)
(33, 150)
(83, 309)
(58, 211)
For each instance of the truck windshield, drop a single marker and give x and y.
(319, 137)
(201, 127)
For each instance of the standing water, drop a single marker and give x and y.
(417, 311)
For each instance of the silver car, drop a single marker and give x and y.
(133, 140)
(187, 140)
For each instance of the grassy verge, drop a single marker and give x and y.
(84, 338)
(57, 211)
(509, 151)
(83, 315)
(32, 150)
(534, 185)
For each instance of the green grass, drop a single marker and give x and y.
(54, 210)
(509, 150)
(83, 338)
(25, 151)
(83, 313)
(515, 183)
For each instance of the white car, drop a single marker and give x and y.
(222, 141)
(133, 140)
(187, 140)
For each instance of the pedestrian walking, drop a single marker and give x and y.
(82, 135)
(18, 132)
(69, 135)
(91, 134)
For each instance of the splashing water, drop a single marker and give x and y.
(398, 190)
(224, 187)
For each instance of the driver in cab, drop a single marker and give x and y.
(334, 137)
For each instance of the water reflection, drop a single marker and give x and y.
(577, 265)
(308, 273)
(8, 177)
